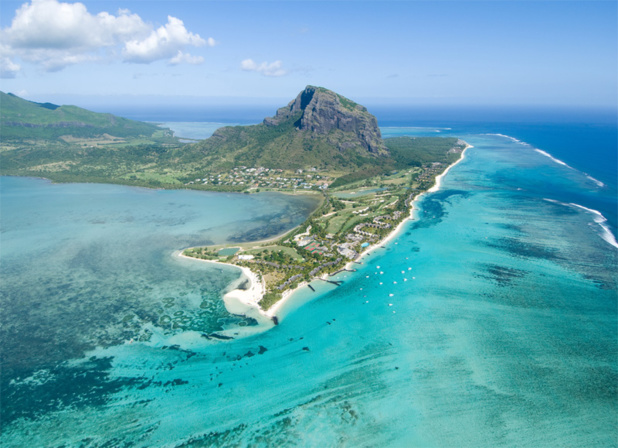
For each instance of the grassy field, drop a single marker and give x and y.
(275, 248)
(336, 222)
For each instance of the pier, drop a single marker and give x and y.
(341, 270)
(332, 281)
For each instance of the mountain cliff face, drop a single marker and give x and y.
(319, 128)
(323, 111)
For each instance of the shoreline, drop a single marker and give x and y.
(242, 301)
(410, 216)
(251, 243)
(439, 178)
(246, 302)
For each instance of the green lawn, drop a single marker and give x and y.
(351, 223)
(286, 250)
(336, 221)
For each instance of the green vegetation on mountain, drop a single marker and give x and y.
(319, 139)
(26, 120)
(318, 129)
(71, 144)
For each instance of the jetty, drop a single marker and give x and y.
(332, 281)
(341, 270)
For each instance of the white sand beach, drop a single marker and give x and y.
(285, 297)
(243, 301)
(436, 186)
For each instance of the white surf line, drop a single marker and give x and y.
(554, 201)
(509, 137)
(418, 128)
(558, 161)
(601, 220)
(546, 154)
(540, 151)
(596, 181)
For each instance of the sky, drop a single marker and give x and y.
(546, 53)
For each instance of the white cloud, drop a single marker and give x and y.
(8, 69)
(163, 43)
(267, 69)
(54, 35)
(48, 24)
(186, 58)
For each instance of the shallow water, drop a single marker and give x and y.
(86, 265)
(490, 320)
(194, 130)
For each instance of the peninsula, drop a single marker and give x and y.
(361, 209)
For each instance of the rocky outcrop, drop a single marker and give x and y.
(322, 112)
(319, 129)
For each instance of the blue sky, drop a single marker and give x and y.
(404, 52)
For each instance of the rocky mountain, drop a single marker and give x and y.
(319, 128)
(323, 111)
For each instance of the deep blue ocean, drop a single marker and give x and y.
(490, 320)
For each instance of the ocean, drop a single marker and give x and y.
(489, 320)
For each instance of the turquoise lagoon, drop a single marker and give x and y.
(195, 130)
(490, 320)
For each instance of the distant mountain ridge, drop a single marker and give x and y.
(23, 119)
(319, 128)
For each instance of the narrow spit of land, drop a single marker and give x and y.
(349, 224)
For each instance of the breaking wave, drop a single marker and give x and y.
(558, 161)
(598, 218)
(554, 159)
